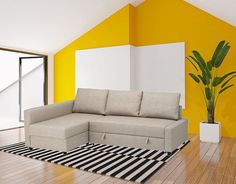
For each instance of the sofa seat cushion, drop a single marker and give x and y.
(63, 126)
(138, 126)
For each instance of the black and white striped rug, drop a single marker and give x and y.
(132, 164)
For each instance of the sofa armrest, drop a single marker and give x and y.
(176, 134)
(44, 113)
(47, 112)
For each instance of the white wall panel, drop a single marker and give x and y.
(103, 68)
(160, 68)
(149, 68)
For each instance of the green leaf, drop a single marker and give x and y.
(206, 78)
(216, 81)
(226, 82)
(217, 51)
(201, 63)
(192, 63)
(209, 65)
(202, 66)
(219, 80)
(202, 79)
(222, 55)
(208, 93)
(194, 77)
(227, 87)
(226, 75)
(199, 58)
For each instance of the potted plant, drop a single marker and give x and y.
(212, 86)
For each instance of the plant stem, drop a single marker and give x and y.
(211, 116)
(203, 95)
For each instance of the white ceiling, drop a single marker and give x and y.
(223, 9)
(46, 26)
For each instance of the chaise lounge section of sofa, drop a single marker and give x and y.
(125, 118)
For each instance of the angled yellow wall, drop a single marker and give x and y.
(157, 22)
(165, 21)
(113, 31)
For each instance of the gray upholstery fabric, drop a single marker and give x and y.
(62, 127)
(160, 105)
(44, 113)
(124, 103)
(149, 133)
(176, 134)
(149, 127)
(90, 101)
(56, 127)
(127, 140)
(59, 144)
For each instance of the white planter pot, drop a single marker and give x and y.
(210, 132)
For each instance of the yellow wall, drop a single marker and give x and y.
(113, 31)
(156, 22)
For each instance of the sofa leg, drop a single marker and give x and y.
(64, 152)
(30, 148)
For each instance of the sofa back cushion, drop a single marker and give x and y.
(160, 105)
(90, 101)
(124, 103)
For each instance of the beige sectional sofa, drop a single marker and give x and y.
(126, 118)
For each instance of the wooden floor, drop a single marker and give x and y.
(196, 163)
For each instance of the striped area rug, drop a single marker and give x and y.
(132, 164)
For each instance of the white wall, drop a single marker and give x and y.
(104, 68)
(9, 68)
(148, 68)
(160, 68)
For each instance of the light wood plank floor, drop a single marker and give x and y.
(197, 163)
